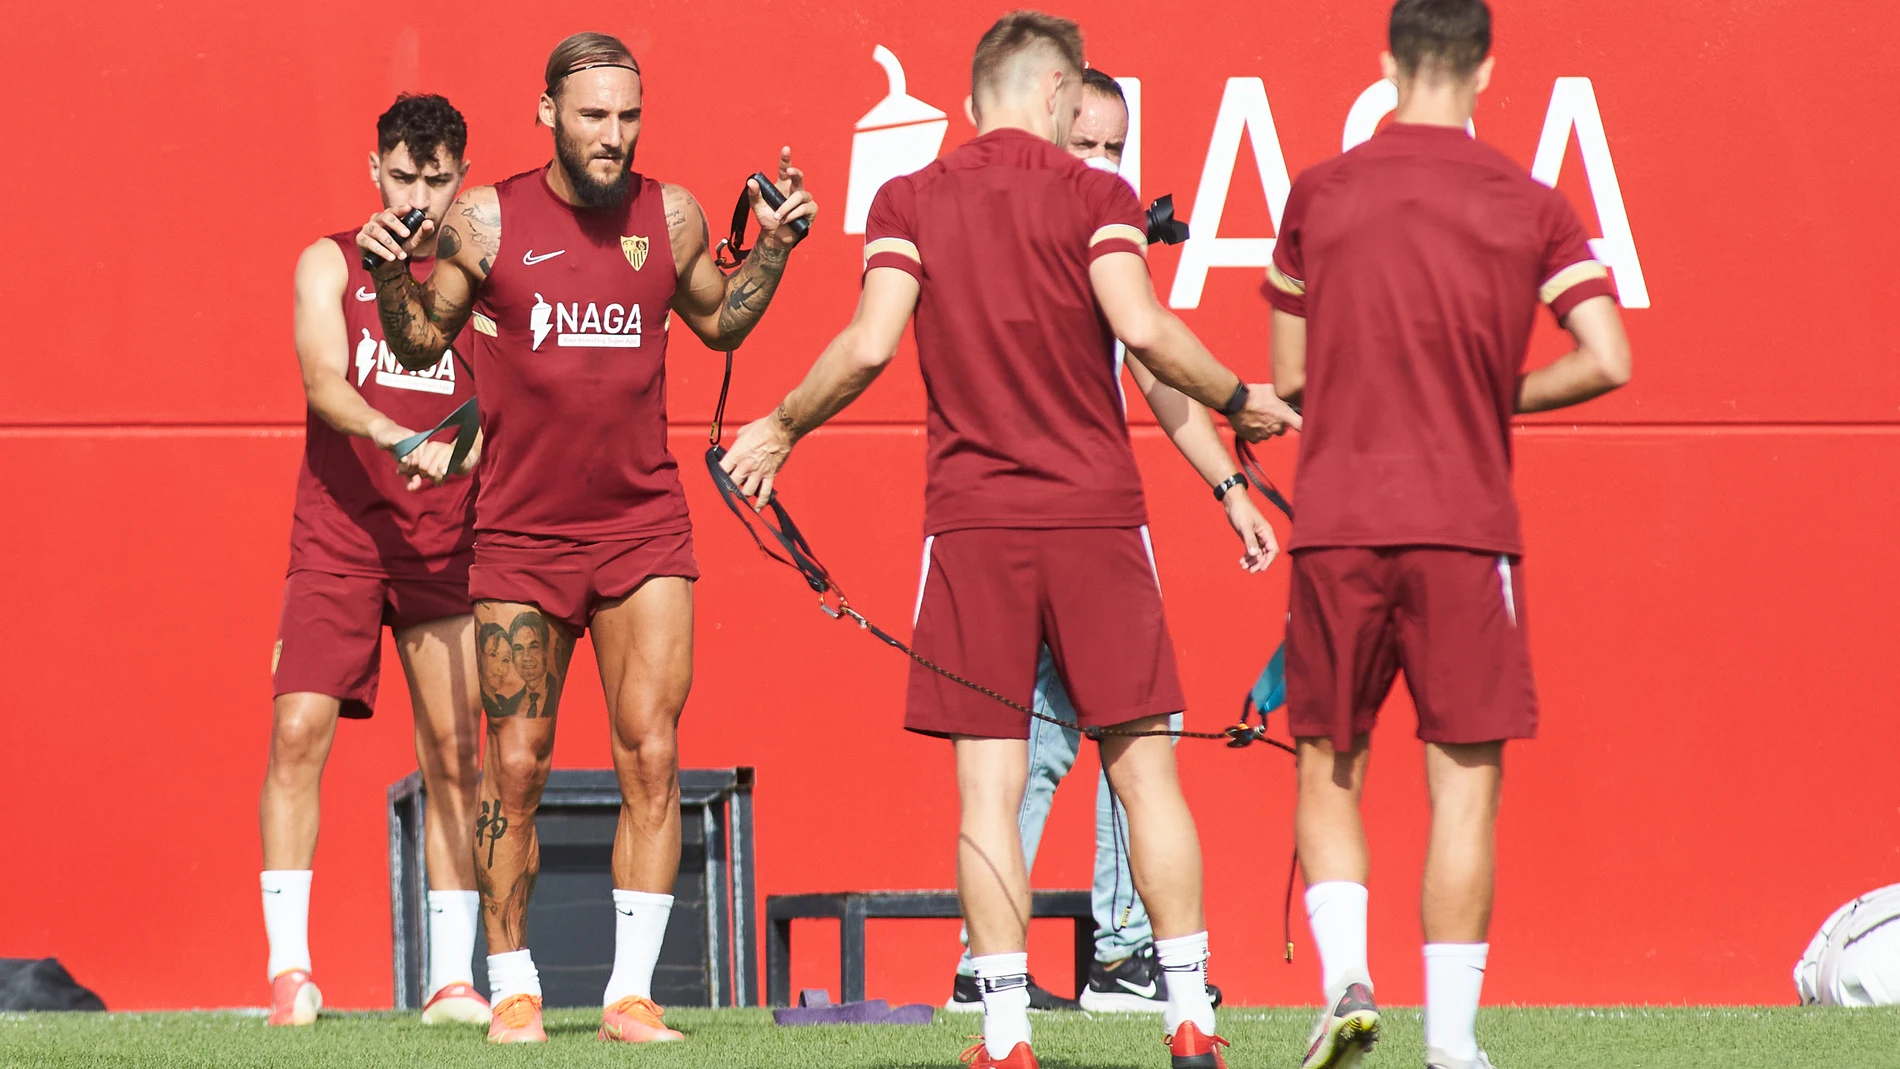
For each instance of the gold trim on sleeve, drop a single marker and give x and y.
(1283, 282)
(896, 245)
(1118, 230)
(1582, 271)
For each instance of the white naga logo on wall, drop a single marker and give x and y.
(898, 136)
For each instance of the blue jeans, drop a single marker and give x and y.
(1121, 922)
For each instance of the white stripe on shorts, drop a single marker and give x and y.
(1504, 577)
(1148, 544)
(923, 574)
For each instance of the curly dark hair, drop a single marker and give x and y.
(425, 122)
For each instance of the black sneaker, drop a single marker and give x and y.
(967, 997)
(1131, 985)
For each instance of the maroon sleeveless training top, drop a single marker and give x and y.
(354, 514)
(569, 341)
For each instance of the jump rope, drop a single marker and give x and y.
(795, 551)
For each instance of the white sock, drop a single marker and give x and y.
(452, 919)
(1454, 978)
(1337, 911)
(1184, 966)
(287, 919)
(512, 974)
(1006, 1008)
(639, 929)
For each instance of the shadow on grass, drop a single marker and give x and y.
(572, 1028)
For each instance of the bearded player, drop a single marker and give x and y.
(567, 274)
(375, 543)
(1023, 265)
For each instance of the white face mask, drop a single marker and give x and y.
(1103, 163)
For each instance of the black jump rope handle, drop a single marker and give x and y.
(410, 222)
(774, 200)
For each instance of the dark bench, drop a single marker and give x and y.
(852, 908)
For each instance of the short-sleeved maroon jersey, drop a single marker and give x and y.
(1025, 418)
(1418, 260)
(355, 514)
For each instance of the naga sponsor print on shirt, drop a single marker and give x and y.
(372, 354)
(588, 325)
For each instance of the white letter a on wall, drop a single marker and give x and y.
(1242, 107)
(1573, 104)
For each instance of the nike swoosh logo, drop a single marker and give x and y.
(365, 295)
(624, 912)
(531, 259)
(1144, 990)
(273, 890)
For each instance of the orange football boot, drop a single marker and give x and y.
(457, 1004)
(1019, 1057)
(635, 1020)
(517, 1020)
(1192, 1050)
(294, 998)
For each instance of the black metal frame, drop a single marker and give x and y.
(852, 908)
(719, 799)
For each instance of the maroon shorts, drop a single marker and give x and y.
(569, 581)
(1453, 619)
(992, 597)
(330, 637)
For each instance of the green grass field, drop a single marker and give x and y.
(1778, 1038)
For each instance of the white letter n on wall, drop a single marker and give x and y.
(1573, 103)
(1243, 106)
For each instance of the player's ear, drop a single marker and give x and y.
(546, 111)
(969, 109)
(1389, 67)
(375, 169)
(1482, 77)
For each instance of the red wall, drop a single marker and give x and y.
(1712, 559)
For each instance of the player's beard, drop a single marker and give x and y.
(593, 192)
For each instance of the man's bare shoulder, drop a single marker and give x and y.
(480, 205)
(321, 267)
(471, 232)
(686, 228)
(682, 208)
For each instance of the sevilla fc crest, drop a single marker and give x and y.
(636, 250)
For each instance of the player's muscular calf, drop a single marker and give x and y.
(523, 659)
(421, 319)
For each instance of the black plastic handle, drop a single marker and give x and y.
(410, 222)
(775, 200)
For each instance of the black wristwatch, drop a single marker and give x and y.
(1236, 479)
(1237, 403)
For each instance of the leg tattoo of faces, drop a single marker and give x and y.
(530, 643)
(502, 687)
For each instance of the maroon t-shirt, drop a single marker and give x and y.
(355, 514)
(568, 337)
(1418, 260)
(1025, 419)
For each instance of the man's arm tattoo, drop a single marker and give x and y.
(484, 229)
(414, 339)
(750, 290)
